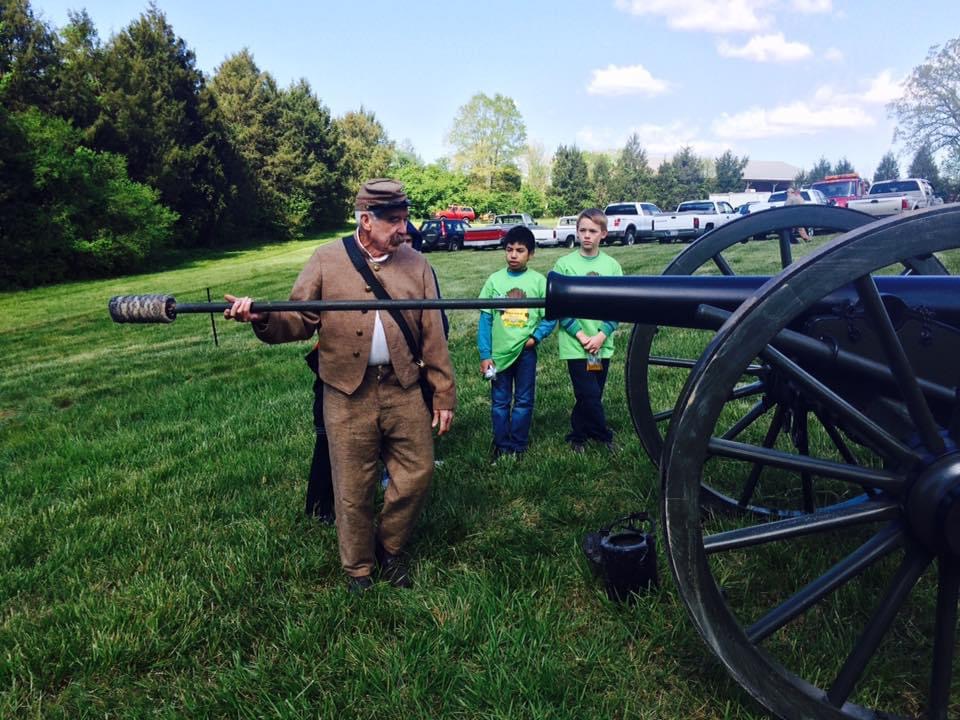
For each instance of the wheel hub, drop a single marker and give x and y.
(933, 506)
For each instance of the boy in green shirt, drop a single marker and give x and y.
(587, 345)
(507, 341)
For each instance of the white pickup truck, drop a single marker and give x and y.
(628, 222)
(691, 220)
(892, 197)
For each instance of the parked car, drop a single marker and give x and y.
(628, 222)
(691, 220)
(456, 212)
(565, 233)
(892, 197)
(443, 234)
(491, 236)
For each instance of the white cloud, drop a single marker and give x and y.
(812, 7)
(766, 48)
(833, 55)
(629, 80)
(719, 16)
(879, 90)
(798, 118)
(884, 88)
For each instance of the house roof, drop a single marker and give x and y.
(770, 170)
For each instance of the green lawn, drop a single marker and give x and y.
(155, 561)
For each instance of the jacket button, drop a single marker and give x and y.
(356, 353)
(376, 268)
(359, 333)
(368, 288)
(364, 312)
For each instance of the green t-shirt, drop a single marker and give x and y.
(578, 265)
(512, 327)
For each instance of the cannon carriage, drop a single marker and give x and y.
(810, 477)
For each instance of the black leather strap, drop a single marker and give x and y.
(360, 263)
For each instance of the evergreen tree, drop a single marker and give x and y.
(569, 191)
(729, 172)
(667, 188)
(888, 169)
(843, 167)
(77, 96)
(820, 170)
(631, 178)
(691, 175)
(29, 58)
(156, 112)
(924, 166)
(368, 150)
(601, 180)
(310, 152)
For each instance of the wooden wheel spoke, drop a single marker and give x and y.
(828, 520)
(905, 377)
(755, 413)
(674, 362)
(877, 547)
(750, 486)
(851, 416)
(944, 637)
(722, 265)
(865, 477)
(838, 442)
(914, 563)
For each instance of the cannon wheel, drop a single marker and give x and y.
(902, 545)
(707, 252)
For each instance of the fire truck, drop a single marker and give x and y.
(841, 188)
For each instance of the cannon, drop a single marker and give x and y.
(778, 529)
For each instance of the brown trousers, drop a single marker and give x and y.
(380, 420)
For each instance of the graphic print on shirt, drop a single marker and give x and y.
(515, 317)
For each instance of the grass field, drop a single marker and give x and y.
(155, 560)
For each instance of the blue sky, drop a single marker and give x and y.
(786, 80)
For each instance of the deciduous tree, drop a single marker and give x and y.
(368, 150)
(928, 112)
(487, 134)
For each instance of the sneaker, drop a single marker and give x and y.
(359, 585)
(578, 447)
(393, 569)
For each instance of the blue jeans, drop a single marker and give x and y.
(511, 427)
(588, 421)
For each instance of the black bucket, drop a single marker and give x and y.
(624, 555)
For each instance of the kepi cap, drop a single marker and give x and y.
(380, 194)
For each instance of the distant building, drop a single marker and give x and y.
(768, 175)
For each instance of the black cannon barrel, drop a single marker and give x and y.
(672, 300)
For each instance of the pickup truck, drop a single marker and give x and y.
(628, 222)
(691, 220)
(491, 236)
(892, 197)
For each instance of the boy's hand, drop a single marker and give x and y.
(529, 343)
(593, 344)
(485, 365)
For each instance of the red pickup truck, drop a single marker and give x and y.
(456, 212)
